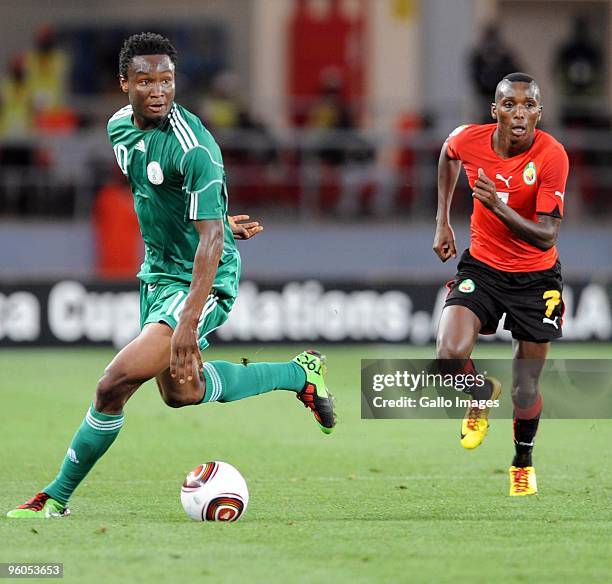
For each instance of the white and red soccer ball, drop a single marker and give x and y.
(214, 491)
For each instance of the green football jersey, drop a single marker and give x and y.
(177, 177)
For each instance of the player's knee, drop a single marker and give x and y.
(113, 389)
(454, 351)
(524, 394)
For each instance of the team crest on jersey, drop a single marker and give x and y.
(154, 173)
(529, 174)
(467, 286)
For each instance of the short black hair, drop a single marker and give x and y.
(145, 43)
(517, 77)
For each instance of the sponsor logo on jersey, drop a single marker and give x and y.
(140, 146)
(560, 195)
(504, 180)
(529, 174)
(467, 286)
(154, 173)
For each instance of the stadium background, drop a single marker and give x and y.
(278, 81)
(330, 115)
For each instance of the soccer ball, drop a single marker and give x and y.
(214, 491)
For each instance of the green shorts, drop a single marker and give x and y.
(163, 301)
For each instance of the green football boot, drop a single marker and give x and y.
(315, 394)
(40, 506)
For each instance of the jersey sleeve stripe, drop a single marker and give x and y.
(193, 208)
(181, 120)
(182, 127)
(180, 136)
(122, 113)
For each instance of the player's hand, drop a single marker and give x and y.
(485, 191)
(242, 228)
(444, 242)
(185, 357)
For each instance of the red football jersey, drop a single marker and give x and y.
(531, 183)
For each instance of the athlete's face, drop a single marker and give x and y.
(150, 88)
(517, 110)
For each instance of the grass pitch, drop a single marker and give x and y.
(377, 501)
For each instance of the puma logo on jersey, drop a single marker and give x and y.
(504, 180)
(560, 195)
(552, 321)
(140, 146)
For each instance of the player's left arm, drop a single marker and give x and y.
(542, 234)
(243, 228)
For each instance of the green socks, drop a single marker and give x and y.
(93, 438)
(227, 382)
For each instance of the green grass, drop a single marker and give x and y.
(378, 500)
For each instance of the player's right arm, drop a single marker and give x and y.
(205, 207)
(185, 352)
(448, 173)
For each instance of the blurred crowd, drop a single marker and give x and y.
(329, 163)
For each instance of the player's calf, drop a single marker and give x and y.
(525, 426)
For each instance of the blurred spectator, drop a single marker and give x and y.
(342, 148)
(579, 69)
(489, 62)
(240, 136)
(47, 77)
(222, 108)
(47, 70)
(17, 152)
(249, 150)
(16, 107)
